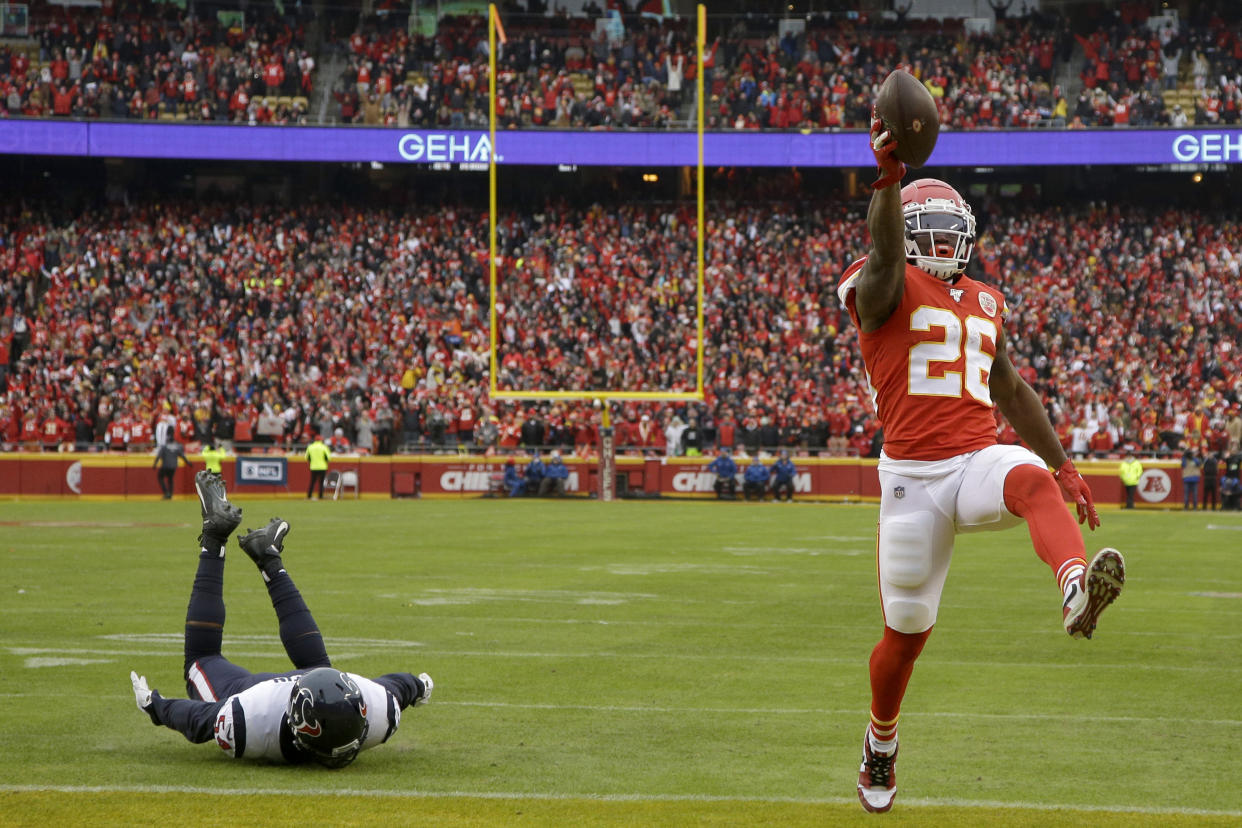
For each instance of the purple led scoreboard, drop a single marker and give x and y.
(106, 139)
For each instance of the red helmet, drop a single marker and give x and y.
(940, 229)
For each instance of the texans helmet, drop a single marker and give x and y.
(940, 228)
(328, 716)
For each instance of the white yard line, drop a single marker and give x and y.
(907, 714)
(767, 658)
(615, 797)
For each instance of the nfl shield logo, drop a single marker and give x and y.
(899, 492)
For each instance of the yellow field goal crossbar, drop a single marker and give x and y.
(495, 30)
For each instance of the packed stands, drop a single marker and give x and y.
(567, 74)
(146, 62)
(1139, 69)
(1035, 70)
(260, 324)
(558, 73)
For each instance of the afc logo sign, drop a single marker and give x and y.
(1155, 485)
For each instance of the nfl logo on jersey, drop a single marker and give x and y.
(899, 492)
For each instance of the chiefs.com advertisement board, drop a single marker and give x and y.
(107, 475)
(479, 478)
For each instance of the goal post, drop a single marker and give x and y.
(606, 489)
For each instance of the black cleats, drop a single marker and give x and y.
(220, 517)
(265, 545)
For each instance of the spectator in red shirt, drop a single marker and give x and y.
(31, 431)
(1101, 441)
(273, 76)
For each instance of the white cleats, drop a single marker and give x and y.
(1106, 575)
(877, 779)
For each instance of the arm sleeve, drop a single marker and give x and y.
(405, 687)
(193, 719)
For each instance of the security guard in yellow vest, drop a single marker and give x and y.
(213, 457)
(317, 455)
(1131, 471)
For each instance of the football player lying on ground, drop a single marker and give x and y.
(312, 713)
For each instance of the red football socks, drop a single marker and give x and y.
(892, 662)
(1032, 494)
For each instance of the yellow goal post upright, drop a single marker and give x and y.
(607, 447)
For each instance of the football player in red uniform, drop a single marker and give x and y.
(933, 346)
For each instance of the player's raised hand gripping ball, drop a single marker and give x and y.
(909, 114)
(885, 150)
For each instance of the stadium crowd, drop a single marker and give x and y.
(266, 325)
(142, 63)
(561, 74)
(828, 76)
(1131, 61)
(823, 77)
(565, 71)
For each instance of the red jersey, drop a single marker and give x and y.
(140, 432)
(928, 364)
(117, 433)
(30, 429)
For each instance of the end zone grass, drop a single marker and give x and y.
(630, 663)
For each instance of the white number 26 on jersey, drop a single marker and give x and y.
(950, 349)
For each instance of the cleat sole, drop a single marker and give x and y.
(1105, 578)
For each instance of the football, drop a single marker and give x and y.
(909, 113)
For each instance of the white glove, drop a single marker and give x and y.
(142, 693)
(428, 684)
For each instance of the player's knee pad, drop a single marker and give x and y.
(909, 615)
(905, 567)
(905, 549)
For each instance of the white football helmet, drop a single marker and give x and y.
(940, 229)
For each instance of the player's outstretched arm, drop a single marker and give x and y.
(193, 719)
(1022, 407)
(406, 688)
(883, 278)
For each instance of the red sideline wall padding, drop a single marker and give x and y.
(833, 479)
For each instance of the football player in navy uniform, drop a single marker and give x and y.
(312, 713)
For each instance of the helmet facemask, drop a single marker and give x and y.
(940, 236)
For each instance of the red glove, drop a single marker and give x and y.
(883, 146)
(1076, 490)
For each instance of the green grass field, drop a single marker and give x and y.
(664, 663)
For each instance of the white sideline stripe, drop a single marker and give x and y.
(1202, 668)
(782, 711)
(926, 802)
(177, 638)
(907, 714)
(704, 621)
(27, 651)
(36, 662)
